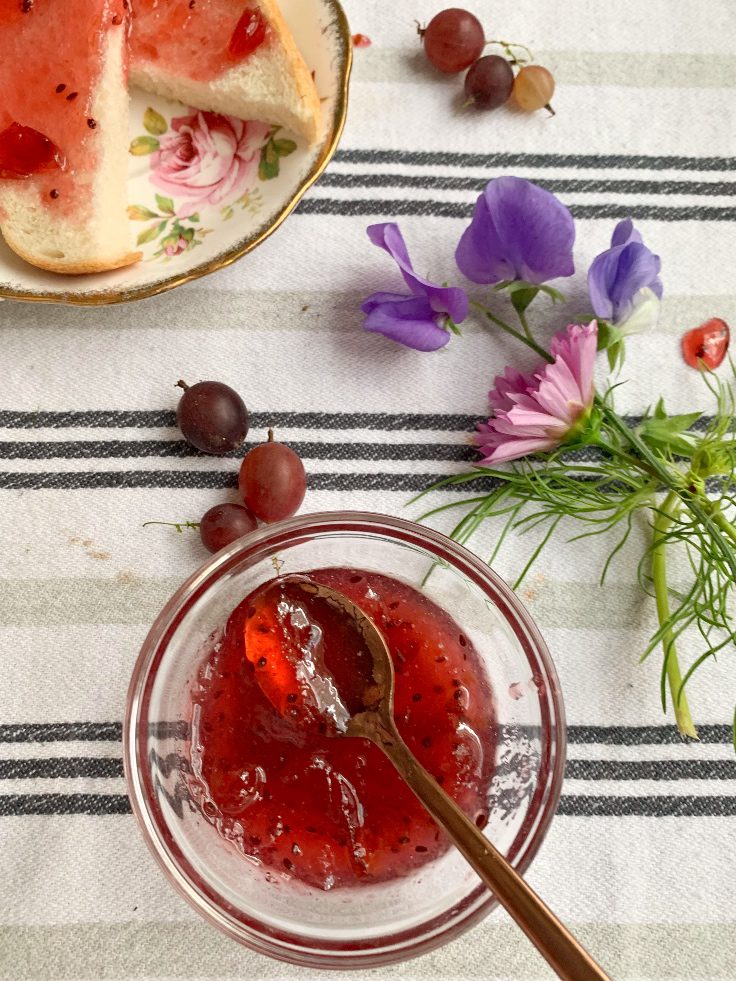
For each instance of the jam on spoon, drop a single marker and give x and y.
(361, 704)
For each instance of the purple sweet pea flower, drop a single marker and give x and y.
(419, 319)
(518, 231)
(623, 282)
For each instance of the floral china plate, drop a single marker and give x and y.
(246, 178)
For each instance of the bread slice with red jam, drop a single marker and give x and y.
(64, 133)
(236, 57)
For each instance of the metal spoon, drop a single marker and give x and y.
(551, 938)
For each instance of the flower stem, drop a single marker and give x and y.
(720, 519)
(529, 341)
(663, 519)
(525, 324)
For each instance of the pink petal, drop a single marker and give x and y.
(516, 448)
(514, 429)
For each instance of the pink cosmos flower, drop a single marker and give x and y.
(207, 159)
(536, 412)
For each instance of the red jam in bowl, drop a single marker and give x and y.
(327, 810)
(200, 39)
(47, 78)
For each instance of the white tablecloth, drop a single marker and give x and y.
(640, 859)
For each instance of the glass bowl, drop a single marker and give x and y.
(368, 925)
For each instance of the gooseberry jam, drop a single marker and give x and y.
(200, 39)
(283, 786)
(47, 79)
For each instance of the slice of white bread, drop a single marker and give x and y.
(102, 239)
(273, 84)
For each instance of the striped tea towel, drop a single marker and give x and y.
(639, 860)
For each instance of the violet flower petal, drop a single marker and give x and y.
(617, 275)
(444, 299)
(409, 320)
(624, 233)
(518, 231)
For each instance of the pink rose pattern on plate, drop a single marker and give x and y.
(203, 160)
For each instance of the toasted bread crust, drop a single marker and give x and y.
(72, 268)
(302, 76)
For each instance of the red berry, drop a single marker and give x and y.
(453, 39)
(706, 345)
(489, 82)
(224, 524)
(212, 417)
(272, 481)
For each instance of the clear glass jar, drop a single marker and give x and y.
(368, 925)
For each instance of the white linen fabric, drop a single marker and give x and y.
(639, 860)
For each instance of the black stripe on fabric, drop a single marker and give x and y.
(654, 806)
(228, 480)
(61, 732)
(362, 207)
(650, 770)
(644, 735)
(48, 732)
(15, 805)
(576, 161)
(438, 183)
(179, 449)
(61, 768)
(217, 480)
(166, 419)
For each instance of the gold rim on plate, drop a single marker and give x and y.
(109, 297)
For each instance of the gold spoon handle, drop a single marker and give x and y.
(551, 937)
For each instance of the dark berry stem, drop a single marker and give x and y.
(181, 384)
(270, 435)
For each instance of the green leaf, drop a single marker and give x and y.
(615, 352)
(521, 298)
(137, 212)
(193, 218)
(154, 122)
(670, 433)
(165, 204)
(284, 147)
(670, 424)
(659, 410)
(143, 145)
(151, 233)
